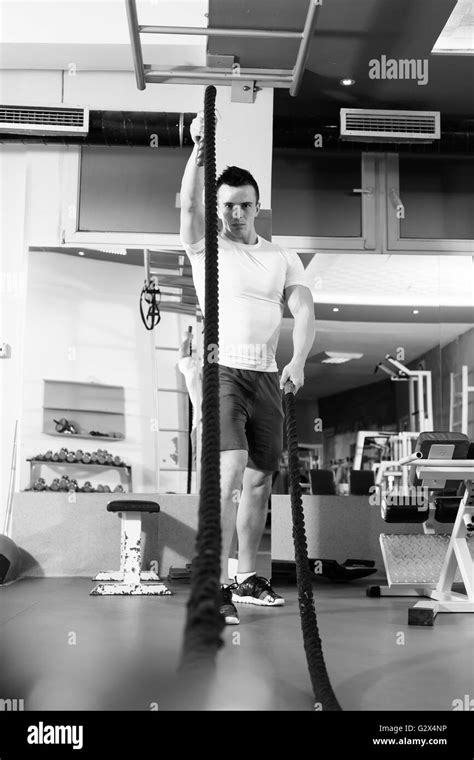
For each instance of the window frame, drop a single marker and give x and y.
(394, 242)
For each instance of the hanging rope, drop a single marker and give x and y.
(204, 624)
(202, 634)
(323, 692)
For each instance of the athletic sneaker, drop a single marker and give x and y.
(256, 590)
(227, 609)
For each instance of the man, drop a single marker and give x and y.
(255, 278)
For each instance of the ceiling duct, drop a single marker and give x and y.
(367, 125)
(132, 128)
(44, 120)
(135, 128)
(311, 134)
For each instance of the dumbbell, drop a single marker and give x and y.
(71, 457)
(79, 455)
(118, 489)
(86, 458)
(39, 484)
(63, 455)
(100, 488)
(63, 484)
(55, 457)
(48, 456)
(117, 461)
(93, 458)
(87, 487)
(107, 489)
(100, 458)
(109, 459)
(55, 485)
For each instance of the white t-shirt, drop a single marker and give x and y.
(252, 281)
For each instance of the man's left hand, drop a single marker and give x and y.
(293, 371)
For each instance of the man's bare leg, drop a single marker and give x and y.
(233, 464)
(252, 515)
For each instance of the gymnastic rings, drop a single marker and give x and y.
(150, 297)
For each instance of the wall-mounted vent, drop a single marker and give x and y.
(44, 120)
(365, 125)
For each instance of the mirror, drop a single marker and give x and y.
(83, 326)
(415, 308)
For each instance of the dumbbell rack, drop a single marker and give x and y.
(36, 464)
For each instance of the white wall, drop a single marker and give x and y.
(32, 181)
(83, 325)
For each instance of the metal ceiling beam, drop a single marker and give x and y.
(286, 78)
(212, 32)
(305, 45)
(205, 75)
(132, 18)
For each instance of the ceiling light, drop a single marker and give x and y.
(347, 82)
(335, 360)
(80, 253)
(114, 251)
(340, 357)
(335, 308)
(415, 311)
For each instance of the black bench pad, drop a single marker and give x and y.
(134, 505)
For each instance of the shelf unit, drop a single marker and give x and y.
(125, 471)
(88, 406)
(72, 436)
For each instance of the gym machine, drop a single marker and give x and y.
(397, 446)
(441, 485)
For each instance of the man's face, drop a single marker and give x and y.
(237, 208)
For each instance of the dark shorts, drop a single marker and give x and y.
(251, 415)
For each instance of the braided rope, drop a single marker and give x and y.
(323, 693)
(202, 634)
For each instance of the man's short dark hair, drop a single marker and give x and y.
(236, 177)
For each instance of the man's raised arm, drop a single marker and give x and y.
(191, 194)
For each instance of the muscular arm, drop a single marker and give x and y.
(300, 303)
(191, 194)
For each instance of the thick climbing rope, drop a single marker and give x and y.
(202, 634)
(324, 696)
(204, 624)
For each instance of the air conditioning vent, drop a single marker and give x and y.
(363, 125)
(44, 120)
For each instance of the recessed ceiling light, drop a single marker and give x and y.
(415, 311)
(80, 253)
(347, 82)
(340, 357)
(335, 308)
(114, 251)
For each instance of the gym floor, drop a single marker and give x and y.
(61, 649)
